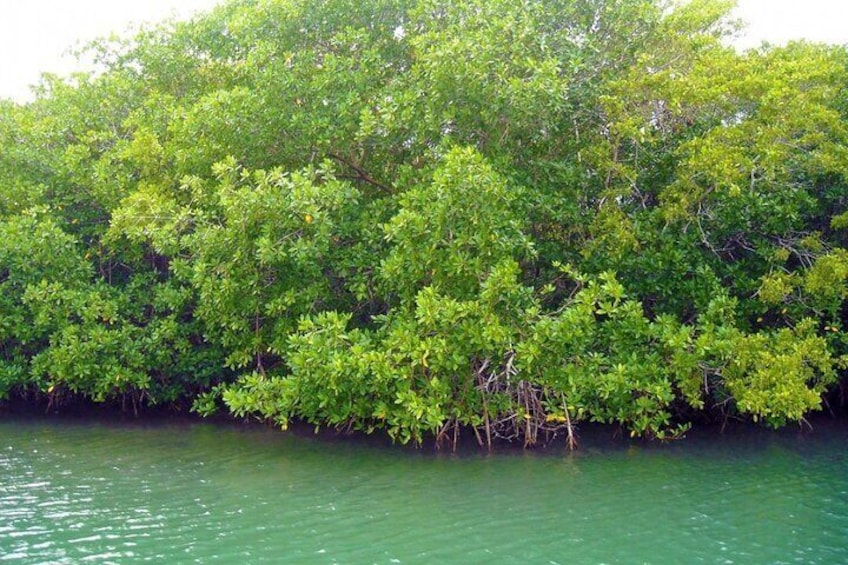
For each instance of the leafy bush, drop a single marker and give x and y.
(427, 217)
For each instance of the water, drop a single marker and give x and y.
(89, 492)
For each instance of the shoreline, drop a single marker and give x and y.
(592, 437)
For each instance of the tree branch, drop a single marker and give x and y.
(361, 174)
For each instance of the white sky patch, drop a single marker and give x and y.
(35, 35)
(779, 21)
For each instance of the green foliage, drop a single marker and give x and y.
(34, 252)
(451, 232)
(424, 217)
(258, 263)
(780, 376)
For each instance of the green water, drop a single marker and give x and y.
(90, 492)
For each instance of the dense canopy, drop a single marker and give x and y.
(424, 217)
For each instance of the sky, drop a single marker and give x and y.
(35, 35)
(778, 21)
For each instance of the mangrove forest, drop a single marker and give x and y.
(467, 220)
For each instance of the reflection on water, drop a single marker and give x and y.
(77, 492)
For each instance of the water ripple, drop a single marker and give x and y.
(89, 493)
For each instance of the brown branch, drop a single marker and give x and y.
(361, 174)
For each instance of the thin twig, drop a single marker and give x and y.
(361, 174)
